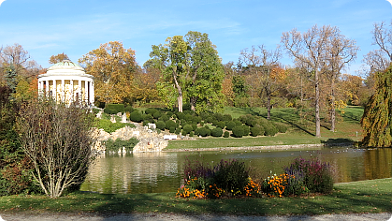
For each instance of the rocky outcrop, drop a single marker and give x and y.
(149, 140)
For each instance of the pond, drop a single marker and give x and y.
(163, 171)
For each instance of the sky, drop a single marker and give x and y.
(76, 27)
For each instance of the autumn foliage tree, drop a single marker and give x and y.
(114, 68)
(54, 59)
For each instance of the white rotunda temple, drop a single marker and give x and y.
(67, 82)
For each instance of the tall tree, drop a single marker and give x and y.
(377, 117)
(381, 58)
(262, 68)
(193, 68)
(114, 68)
(54, 59)
(340, 53)
(310, 48)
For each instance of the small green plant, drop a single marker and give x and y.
(226, 134)
(119, 144)
(110, 127)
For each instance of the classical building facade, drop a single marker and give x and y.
(67, 82)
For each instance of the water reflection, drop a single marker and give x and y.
(162, 172)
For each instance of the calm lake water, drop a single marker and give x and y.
(162, 172)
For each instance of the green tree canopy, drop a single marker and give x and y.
(191, 70)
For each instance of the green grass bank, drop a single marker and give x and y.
(371, 196)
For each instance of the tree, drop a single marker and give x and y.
(57, 140)
(54, 59)
(377, 118)
(263, 72)
(381, 58)
(310, 49)
(191, 69)
(340, 53)
(113, 68)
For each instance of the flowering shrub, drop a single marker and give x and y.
(276, 185)
(252, 188)
(317, 176)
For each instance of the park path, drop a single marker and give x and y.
(176, 217)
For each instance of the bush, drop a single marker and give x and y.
(172, 129)
(128, 109)
(150, 111)
(238, 131)
(230, 125)
(210, 119)
(191, 134)
(270, 129)
(227, 117)
(217, 132)
(118, 144)
(221, 124)
(256, 131)
(246, 130)
(114, 108)
(161, 125)
(157, 114)
(109, 111)
(317, 176)
(226, 134)
(170, 124)
(202, 131)
(218, 117)
(180, 115)
(136, 116)
(237, 122)
(164, 117)
(177, 131)
(231, 175)
(251, 121)
(196, 119)
(282, 128)
(110, 127)
(187, 129)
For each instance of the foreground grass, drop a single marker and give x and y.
(372, 196)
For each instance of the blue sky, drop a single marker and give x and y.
(46, 28)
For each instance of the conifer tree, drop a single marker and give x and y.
(376, 119)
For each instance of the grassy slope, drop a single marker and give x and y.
(357, 197)
(301, 131)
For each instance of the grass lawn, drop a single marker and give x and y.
(301, 130)
(372, 196)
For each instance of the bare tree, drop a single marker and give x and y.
(261, 66)
(57, 140)
(340, 53)
(381, 58)
(310, 48)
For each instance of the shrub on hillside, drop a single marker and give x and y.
(238, 131)
(161, 125)
(180, 115)
(256, 131)
(246, 130)
(270, 129)
(115, 108)
(119, 144)
(202, 131)
(282, 128)
(128, 109)
(237, 122)
(187, 129)
(217, 132)
(170, 124)
(150, 111)
(164, 117)
(210, 119)
(109, 111)
(227, 117)
(136, 116)
(172, 129)
(157, 114)
(221, 124)
(230, 125)
(226, 134)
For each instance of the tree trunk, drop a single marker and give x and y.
(193, 103)
(317, 104)
(268, 106)
(333, 111)
(179, 99)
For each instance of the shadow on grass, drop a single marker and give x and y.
(337, 141)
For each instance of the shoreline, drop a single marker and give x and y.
(273, 147)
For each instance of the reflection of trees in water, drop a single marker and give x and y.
(378, 163)
(137, 172)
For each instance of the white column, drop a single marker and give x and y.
(80, 91)
(62, 90)
(92, 92)
(54, 90)
(86, 92)
(72, 91)
(39, 88)
(47, 88)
